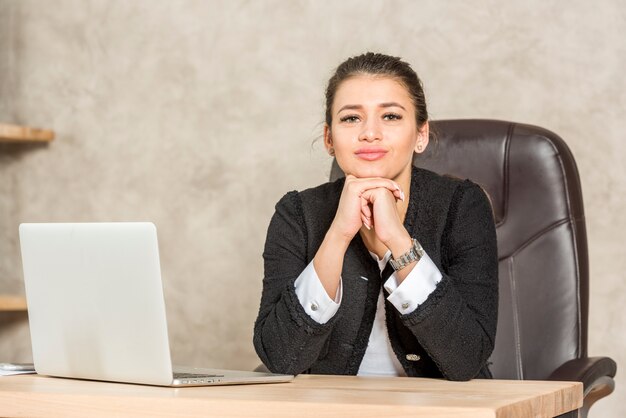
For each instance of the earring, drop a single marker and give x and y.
(419, 147)
(331, 152)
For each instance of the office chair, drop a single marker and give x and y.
(532, 180)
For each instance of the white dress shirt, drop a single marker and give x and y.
(379, 358)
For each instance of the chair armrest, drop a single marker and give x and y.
(587, 370)
(596, 375)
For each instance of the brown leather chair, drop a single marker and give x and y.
(532, 179)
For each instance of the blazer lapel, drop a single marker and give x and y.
(424, 209)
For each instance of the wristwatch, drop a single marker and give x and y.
(414, 254)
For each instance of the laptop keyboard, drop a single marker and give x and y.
(183, 378)
(195, 375)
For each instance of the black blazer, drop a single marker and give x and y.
(452, 333)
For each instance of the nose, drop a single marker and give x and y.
(371, 131)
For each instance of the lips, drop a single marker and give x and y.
(370, 154)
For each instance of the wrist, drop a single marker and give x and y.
(399, 245)
(337, 239)
(409, 258)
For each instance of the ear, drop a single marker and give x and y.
(422, 138)
(328, 140)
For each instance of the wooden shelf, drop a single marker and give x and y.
(12, 303)
(17, 133)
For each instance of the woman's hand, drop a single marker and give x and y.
(387, 223)
(354, 211)
(388, 226)
(354, 206)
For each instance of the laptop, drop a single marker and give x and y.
(96, 307)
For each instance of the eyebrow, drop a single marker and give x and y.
(358, 107)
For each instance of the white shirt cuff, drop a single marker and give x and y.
(415, 288)
(313, 297)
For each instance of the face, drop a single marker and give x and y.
(374, 132)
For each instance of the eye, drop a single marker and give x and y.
(392, 116)
(349, 118)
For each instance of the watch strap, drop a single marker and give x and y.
(415, 253)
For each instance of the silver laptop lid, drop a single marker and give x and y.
(95, 301)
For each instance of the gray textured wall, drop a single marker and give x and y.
(199, 115)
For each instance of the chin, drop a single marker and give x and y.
(377, 169)
(371, 171)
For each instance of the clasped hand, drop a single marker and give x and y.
(370, 202)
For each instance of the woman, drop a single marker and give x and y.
(391, 270)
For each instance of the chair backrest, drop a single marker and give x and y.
(532, 180)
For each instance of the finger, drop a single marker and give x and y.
(365, 222)
(365, 208)
(370, 194)
(366, 214)
(376, 182)
(398, 195)
(363, 184)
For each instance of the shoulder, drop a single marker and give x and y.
(312, 199)
(469, 204)
(310, 209)
(306, 215)
(322, 194)
(434, 181)
(436, 186)
(450, 199)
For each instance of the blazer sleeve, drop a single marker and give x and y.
(286, 338)
(456, 325)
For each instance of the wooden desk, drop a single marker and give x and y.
(12, 303)
(307, 396)
(17, 133)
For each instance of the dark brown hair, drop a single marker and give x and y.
(376, 64)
